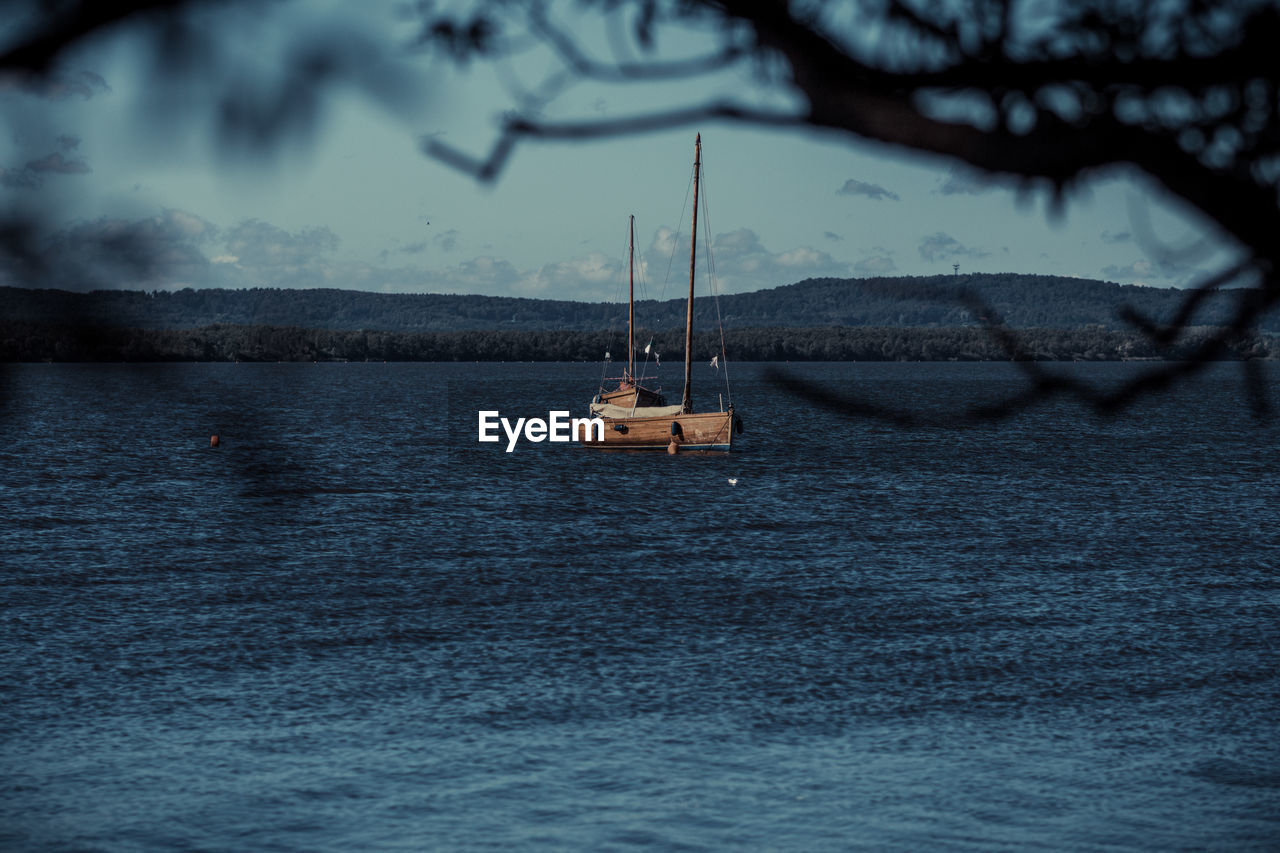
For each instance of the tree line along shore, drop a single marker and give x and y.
(36, 342)
(1020, 300)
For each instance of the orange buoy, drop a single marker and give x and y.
(213, 441)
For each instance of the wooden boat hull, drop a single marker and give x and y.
(630, 398)
(701, 431)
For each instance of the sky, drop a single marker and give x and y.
(345, 195)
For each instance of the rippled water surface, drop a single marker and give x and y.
(352, 626)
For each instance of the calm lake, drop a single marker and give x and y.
(351, 626)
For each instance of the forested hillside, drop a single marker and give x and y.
(19, 342)
(1023, 301)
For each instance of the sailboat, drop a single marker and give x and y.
(638, 418)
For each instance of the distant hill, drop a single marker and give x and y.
(1023, 301)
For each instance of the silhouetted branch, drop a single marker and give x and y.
(516, 128)
(1044, 384)
(1092, 94)
(1187, 93)
(66, 25)
(1165, 333)
(627, 71)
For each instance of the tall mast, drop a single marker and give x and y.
(631, 299)
(686, 404)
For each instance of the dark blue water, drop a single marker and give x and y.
(351, 626)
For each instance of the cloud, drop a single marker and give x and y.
(269, 247)
(743, 263)
(1150, 272)
(162, 250)
(1158, 272)
(589, 278)
(55, 86)
(59, 162)
(664, 244)
(412, 249)
(267, 255)
(872, 191)
(55, 162)
(19, 179)
(593, 277)
(875, 265)
(740, 243)
(1136, 271)
(940, 246)
(832, 236)
(965, 182)
(485, 275)
(176, 249)
(446, 241)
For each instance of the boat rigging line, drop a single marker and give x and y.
(714, 284)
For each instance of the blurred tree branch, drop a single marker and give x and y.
(1043, 94)
(1049, 93)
